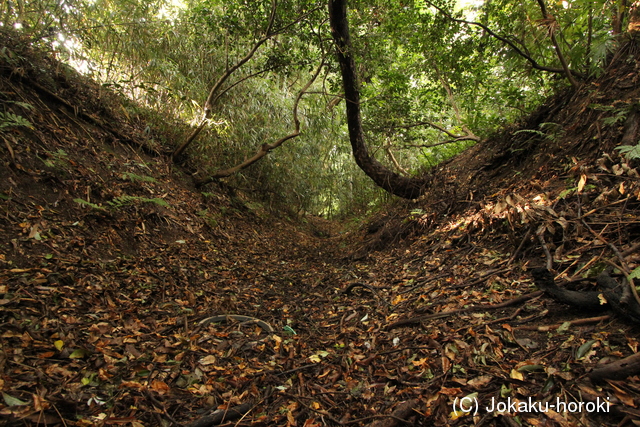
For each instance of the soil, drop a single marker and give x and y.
(110, 260)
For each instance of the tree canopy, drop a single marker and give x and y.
(432, 77)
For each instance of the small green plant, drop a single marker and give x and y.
(209, 218)
(619, 114)
(415, 214)
(548, 130)
(630, 151)
(126, 200)
(88, 203)
(10, 120)
(566, 192)
(54, 157)
(134, 177)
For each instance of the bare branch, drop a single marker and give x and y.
(469, 136)
(297, 20)
(452, 100)
(257, 73)
(437, 144)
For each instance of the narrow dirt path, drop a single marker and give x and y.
(332, 341)
(128, 298)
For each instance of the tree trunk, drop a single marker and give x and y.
(408, 188)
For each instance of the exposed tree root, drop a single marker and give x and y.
(240, 318)
(223, 415)
(611, 296)
(618, 370)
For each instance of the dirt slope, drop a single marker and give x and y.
(110, 262)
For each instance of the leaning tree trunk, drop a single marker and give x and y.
(408, 188)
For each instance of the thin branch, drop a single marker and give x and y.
(398, 166)
(114, 24)
(470, 136)
(214, 96)
(448, 141)
(551, 20)
(630, 289)
(209, 103)
(297, 20)
(519, 248)
(453, 102)
(257, 73)
(508, 42)
(577, 322)
(225, 76)
(265, 148)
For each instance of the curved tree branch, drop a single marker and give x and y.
(265, 148)
(469, 136)
(392, 158)
(215, 93)
(408, 188)
(216, 87)
(533, 62)
(552, 23)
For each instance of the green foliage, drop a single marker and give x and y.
(56, 159)
(125, 200)
(618, 113)
(210, 218)
(133, 177)
(566, 192)
(9, 120)
(122, 201)
(550, 131)
(630, 151)
(88, 203)
(416, 65)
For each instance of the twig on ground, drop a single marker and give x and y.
(317, 411)
(372, 289)
(160, 405)
(481, 279)
(473, 308)
(423, 282)
(577, 322)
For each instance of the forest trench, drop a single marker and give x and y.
(130, 298)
